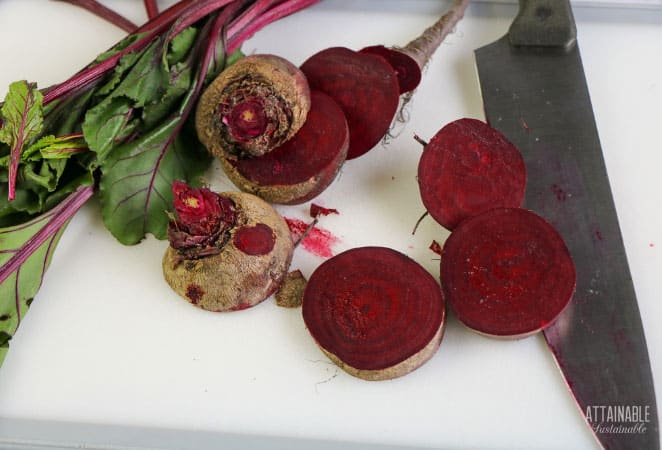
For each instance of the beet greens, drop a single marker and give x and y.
(120, 128)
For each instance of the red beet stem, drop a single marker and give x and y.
(422, 48)
(469, 167)
(507, 273)
(283, 9)
(151, 8)
(374, 309)
(105, 13)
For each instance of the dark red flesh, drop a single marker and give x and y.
(366, 88)
(247, 120)
(317, 150)
(469, 167)
(318, 211)
(372, 307)
(507, 272)
(255, 240)
(406, 67)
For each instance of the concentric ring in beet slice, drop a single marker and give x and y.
(366, 88)
(301, 168)
(375, 312)
(469, 167)
(507, 273)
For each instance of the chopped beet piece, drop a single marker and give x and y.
(469, 167)
(507, 272)
(317, 210)
(375, 312)
(365, 86)
(302, 167)
(406, 67)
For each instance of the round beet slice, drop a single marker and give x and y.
(374, 312)
(366, 88)
(469, 167)
(302, 167)
(507, 273)
(406, 67)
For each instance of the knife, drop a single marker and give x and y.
(534, 91)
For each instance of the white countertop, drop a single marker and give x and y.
(107, 342)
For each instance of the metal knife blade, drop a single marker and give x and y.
(534, 91)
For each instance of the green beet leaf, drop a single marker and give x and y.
(25, 254)
(22, 120)
(136, 181)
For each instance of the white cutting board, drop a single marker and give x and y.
(107, 342)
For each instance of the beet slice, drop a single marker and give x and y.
(302, 167)
(507, 273)
(366, 88)
(406, 67)
(375, 312)
(469, 167)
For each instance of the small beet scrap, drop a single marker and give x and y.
(366, 88)
(374, 312)
(469, 167)
(507, 273)
(304, 166)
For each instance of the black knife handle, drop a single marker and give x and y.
(544, 23)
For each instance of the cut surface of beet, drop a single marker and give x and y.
(322, 140)
(469, 167)
(406, 67)
(366, 88)
(507, 273)
(374, 309)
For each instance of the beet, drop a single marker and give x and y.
(252, 107)
(507, 273)
(469, 167)
(302, 167)
(366, 88)
(374, 312)
(228, 251)
(406, 67)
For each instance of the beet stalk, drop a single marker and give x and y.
(374, 312)
(105, 13)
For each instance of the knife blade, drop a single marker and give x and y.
(535, 92)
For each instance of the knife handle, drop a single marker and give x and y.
(544, 23)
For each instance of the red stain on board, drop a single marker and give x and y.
(561, 195)
(598, 235)
(318, 241)
(651, 245)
